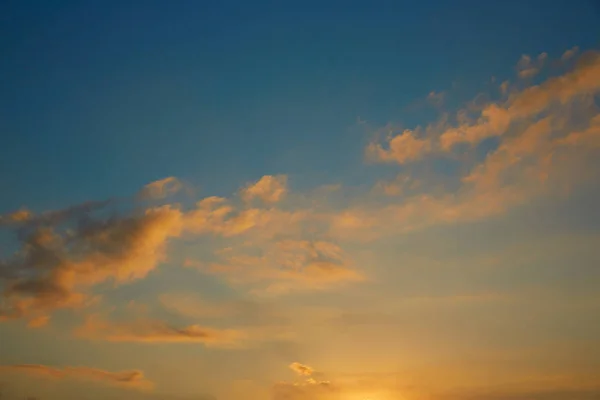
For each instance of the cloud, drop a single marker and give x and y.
(495, 119)
(26, 218)
(528, 68)
(218, 216)
(285, 266)
(270, 189)
(402, 148)
(54, 266)
(161, 188)
(64, 254)
(535, 142)
(569, 54)
(18, 216)
(153, 331)
(301, 369)
(309, 388)
(546, 138)
(128, 379)
(436, 98)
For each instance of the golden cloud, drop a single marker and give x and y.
(269, 189)
(301, 369)
(128, 379)
(161, 188)
(152, 331)
(53, 267)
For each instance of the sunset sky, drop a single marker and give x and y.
(377, 200)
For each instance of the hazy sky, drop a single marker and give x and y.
(324, 200)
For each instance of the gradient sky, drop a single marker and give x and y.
(323, 200)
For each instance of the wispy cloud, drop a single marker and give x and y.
(301, 369)
(161, 188)
(269, 189)
(286, 265)
(128, 379)
(154, 331)
(436, 98)
(308, 388)
(537, 129)
(528, 67)
(569, 54)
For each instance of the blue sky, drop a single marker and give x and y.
(392, 176)
(131, 94)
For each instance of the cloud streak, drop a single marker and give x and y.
(133, 379)
(154, 331)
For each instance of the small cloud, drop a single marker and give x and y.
(269, 188)
(569, 54)
(308, 388)
(528, 68)
(152, 331)
(16, 217)
(504, 87)
(301, 369)
(436, 98)
(403, 148)
(128, 379)
(161, 188)
(286, 266)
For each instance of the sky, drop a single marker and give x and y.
(300, 200)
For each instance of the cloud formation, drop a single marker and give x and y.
(540, 133)
(128, 379)
(528, 68)
(154, 331)
(161, 188)
(496, 118)
(403, 148)
(301, 369)
(269, 189)
(569, 54)
(53, 266)
(284, 266)
(308, 388)
(537, 141)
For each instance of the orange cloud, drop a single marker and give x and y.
(21, 215)
(127, 379)
(301, 369)
(403, 148)
(151, 331)
(496, 118)
(217, 216)
(286, 266)
(542, 148)
(546, 136)
(53, 266)
(269, 189)
(161, 188)
(309, 388)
